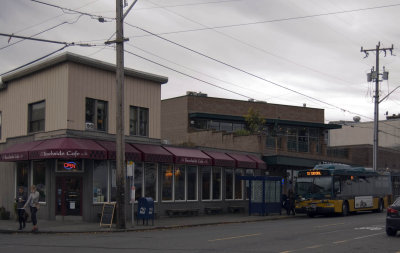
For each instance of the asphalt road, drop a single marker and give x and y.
(356, 233)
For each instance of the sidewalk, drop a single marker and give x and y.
(45, 226)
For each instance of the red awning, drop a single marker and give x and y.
(260, 163)
(189, 156)
(131, 153)
(154, 153)
(220, 159)
(243, 161)
(18, 152)
(68, 148)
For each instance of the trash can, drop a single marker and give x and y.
(145, 210)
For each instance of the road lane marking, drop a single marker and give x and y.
(233, 237)
(315, 246)
(287, 251)
(366, 236)
(328, 225)
(340, 242)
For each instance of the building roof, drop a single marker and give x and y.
(71, 57)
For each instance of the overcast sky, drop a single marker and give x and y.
(272, 49)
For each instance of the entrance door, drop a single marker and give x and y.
(69, 195)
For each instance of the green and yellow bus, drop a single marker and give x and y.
(341, 189)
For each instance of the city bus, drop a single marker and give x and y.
(341, 189)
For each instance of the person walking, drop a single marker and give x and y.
(291, 202)
(21, 200)
(33, 202)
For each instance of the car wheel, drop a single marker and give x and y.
(345, 209)
(391, 232)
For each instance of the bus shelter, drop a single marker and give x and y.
(264, 194)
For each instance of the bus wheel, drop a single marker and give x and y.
(345, 209)
(311, 215)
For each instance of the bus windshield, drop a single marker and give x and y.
(314, 187)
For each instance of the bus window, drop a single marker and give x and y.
(336, 185)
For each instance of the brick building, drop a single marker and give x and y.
(294, 138)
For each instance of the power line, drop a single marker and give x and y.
(38, 59)
(255, 47)
(187, 75)
(215, 78)
(46, 30)
(246, 72)
(63, 9)
(47, 41)
(190, 4)
(277, 20)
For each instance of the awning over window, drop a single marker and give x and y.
(131, 153)
(189, 156)
(260, 163)
(243, 161)
(18, 152)
(220, 159)
(68, 148)
(154, 153)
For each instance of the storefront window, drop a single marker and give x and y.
(100, 181)
(191, 183)
(22, 176)
(138, 180)
(39, 179)
(205, 183)
(167, 178)
(150, 182)
(180, 182)
(216, 183)
(228, 183)
(238, 185)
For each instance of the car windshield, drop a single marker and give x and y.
(313, 187)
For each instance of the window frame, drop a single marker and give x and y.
(96, 102)
(137, 110)
(30, 112)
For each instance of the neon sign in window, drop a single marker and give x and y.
(69, 166)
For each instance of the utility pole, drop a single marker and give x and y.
(120, 135)
(120, 127)
(374, 75)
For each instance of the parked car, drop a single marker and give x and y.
(393, 218)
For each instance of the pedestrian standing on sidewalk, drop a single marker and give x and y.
(33, 202)
(291, 200)
(21, 200)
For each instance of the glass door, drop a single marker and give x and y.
(69, 195)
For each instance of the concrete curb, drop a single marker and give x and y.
(115, 230)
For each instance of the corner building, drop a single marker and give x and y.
(57, 131)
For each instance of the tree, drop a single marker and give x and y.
(254, 122)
